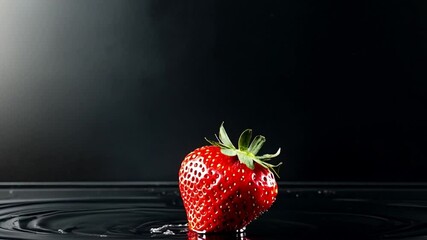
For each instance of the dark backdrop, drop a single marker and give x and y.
(123, 90)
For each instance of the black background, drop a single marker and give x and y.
(106, 90)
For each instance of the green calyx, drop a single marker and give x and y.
(247, 151)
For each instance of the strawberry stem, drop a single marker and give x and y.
(247, 151)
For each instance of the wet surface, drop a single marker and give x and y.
(302, 211)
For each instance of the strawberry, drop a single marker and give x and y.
(224, 188)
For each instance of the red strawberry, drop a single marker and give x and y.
(225, 188)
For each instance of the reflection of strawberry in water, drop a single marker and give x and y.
(225, 188)
(197, 236)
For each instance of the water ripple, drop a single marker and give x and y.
(334, 216)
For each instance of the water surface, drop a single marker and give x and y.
(155, 211)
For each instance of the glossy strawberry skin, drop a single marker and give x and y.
(220, 193)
